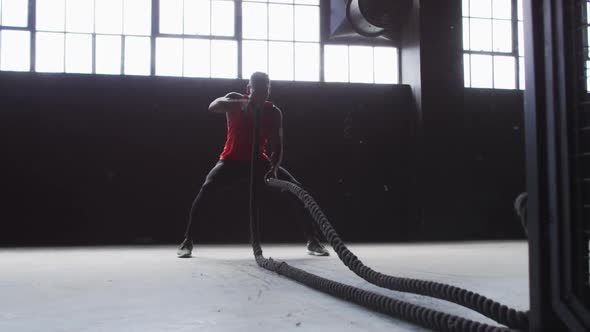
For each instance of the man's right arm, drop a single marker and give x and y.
(228, 103)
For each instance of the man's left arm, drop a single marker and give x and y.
(276, 143)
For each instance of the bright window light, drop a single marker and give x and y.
(280, 22)
(222, 18)
(109, 16)
(108, 55)
(137, 19)
(14, 13)
(467, 70)
(49, 55)
(224, 59)
(336, 63)
(51, 15)
(197, 18)
(361, 64)
(386, 65)
(171, 14)
(254, 57)
(504, 72)
(307, 62)
(481, 71)
(307, 23)
(521, 76)
(196, 57)
(480, 8)
(502, 9)
(137, 55)
(80, 16)
(481, 34)
(308, 2)
(78, 53)
(254, 20)
(502, 36)
(169, 56)
(15, 51)
(280, 61)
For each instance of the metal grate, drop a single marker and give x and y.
(580, 122)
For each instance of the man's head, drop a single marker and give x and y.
(259, 86)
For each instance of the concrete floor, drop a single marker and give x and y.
(222, 289)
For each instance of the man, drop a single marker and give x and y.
(234, 162)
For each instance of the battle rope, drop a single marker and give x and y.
(398, 309)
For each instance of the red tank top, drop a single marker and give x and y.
(238, 145)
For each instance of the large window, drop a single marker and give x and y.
(196, 38)
(493, 44)
(281, 37)
(15, 38)
(184, 38)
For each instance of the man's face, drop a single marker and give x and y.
(259, 91)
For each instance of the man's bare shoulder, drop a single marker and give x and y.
(235, 95)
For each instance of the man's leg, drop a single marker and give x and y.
(310, 228)
(223, 174)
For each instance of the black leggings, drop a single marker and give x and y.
(229, 173)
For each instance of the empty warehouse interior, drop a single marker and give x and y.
(281, 165)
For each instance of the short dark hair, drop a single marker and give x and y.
(258, 78)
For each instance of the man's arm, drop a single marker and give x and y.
(227, 103)
(276, 143)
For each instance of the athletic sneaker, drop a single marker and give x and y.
(185, 249)
(315, 248)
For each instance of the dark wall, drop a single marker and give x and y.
(95, 159)
(469, 142)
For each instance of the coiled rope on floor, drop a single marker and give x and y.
(419, 315)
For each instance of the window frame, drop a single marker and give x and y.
(515, 47)
(323, 40)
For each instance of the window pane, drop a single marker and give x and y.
(466, 70)
(254, 20)
(504, 72)
(15, 13)
(78, 53)
(109, 16)
(386, 70)
(502, 9)
(521, 39)
(224, 59)
(15, 51)
(502, 36)
(137, 17)
(307, 62)
(336, 63)
(481, 71)
(108, 55)
(196, 57)
(465, 8)
(480, 8)
(137, 55)
(361, 64)
(197, 17)
(481, 34)
(80, 16)
(254, 57)
(280, 61)
(308, 2)
(280, 22)
(521, 73)
(307, 23)
(519, 10)
(51, 15)
(49, 51)
(171, 16)
(466, 34)
(222, 18)
(282, 1)
(169, 56)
